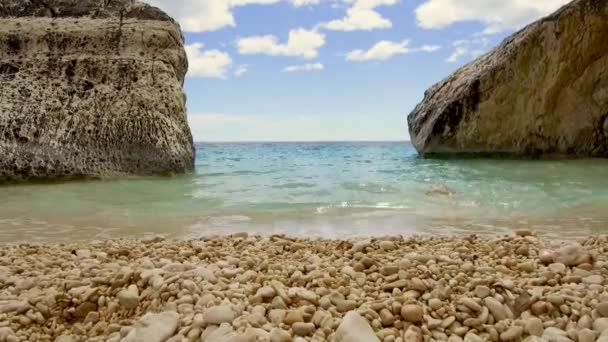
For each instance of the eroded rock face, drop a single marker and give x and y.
(543, 91)
(91, 88)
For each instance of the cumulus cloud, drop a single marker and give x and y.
(468, 49)
(212, 15)
(207, 63)
(385, 49)
(240, 70)
(496, 15)
(299, 3)
(301, 43)
(361, 15)
(304, 67)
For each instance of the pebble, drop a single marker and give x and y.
(529, 266)
(388, 245)
(546, 257)
(354, 328)
(602, 309)
(534, 326)
(482, 291)
(595, 279)
(472, 337)
(412, 313)
(555, 299)
(586, 335)
(497, 309)
(435, 303)
(129, 298)
(600, 325)
(346, 305)
(5, 332)
(523, 232)
(154, 327)
(471, 304)
(303, 329)
(413, 334)
(386, 317)
(218, 314)
(281, 288)
(223, 333)
(279, 335)
(512, 334)
(557, 268)
(572, 255)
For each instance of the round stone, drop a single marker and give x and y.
(218, 314)
(412, 313)
(482, 291)
(303, 329)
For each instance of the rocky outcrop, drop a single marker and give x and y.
(543, 91)
(91, 88)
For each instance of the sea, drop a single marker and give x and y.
(324, 190)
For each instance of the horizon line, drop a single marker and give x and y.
(294, 141)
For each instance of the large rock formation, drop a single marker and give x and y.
(91, 88)
(543, 91)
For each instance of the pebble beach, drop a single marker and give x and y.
(519, 287)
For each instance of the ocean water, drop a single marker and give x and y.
(324, 190)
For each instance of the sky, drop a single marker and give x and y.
(329, 70)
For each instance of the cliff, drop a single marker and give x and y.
(91, 88)
(543, 91)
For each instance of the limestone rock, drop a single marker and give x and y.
(586, 335)
(600, 325)
(413, 334)
(602, 309)
(5, 332)
(534, 326)
(129, 298)
(572, 255)
(497, 309)
(303, 329)
(355, 328)
(224, 333)
(154, 327)
(513, 333)
(412, 313)
(278, 335)
(91, 88)
(543, 91)
(218, 315)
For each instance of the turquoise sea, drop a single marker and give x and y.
(326, 190)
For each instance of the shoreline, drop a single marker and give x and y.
(278, 288)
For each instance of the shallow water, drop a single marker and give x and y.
(329, 190)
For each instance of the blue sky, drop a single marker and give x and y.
(312, 70)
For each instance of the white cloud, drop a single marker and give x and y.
(385, 49)
(496, 15)
(300, 3)
(361, 16)
(212, 15)
(301, 43)
(304, 67)
(207, 64)
(428, 48)
(240, 70)
(468, 49)
(460, 51)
